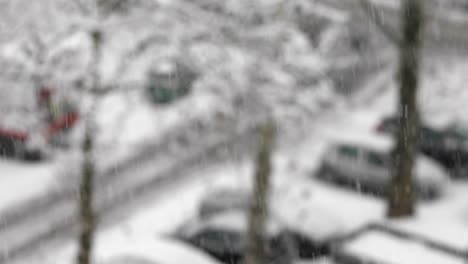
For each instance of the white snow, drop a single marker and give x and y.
(379, 247)
(340, 209)
(127, 118)
(119, 245)
(158, 250)
(20, 181)
(309, 219)
(442, 94)
(128, 122)
(449, 232)
(158, 215)
(442, 221)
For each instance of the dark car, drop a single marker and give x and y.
(169, 80)
(311, 234)
(375, 244)
(224, 236)
(18, 144)
(447, 145)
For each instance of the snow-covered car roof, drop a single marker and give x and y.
(20, 121)
(225, 199)
(234, 220)
(228, 194)
(381, 143)
(314, 223)
(145, 250)
(296, 209)
(17, 107)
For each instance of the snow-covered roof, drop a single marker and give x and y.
(227, 197)
(452, 234)
(295, 209)
(148, 248)
(313, 223)
(237, 221)
(377, 246)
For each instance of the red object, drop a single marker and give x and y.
(61, 124)
(67, 121)
(44, 94)
(15, 135)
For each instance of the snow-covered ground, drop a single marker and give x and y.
(329, 207)
(20, 181)
(340, 209)
(162, 212)
(377, 245)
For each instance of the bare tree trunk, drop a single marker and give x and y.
(87, 215)
(402, 191)
(258, 212)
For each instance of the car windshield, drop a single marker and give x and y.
(348, 151)
(458, 132)
(221, 240)
(377, 159)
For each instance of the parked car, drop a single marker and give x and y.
(376, 244)
(447, 145)
(149, 250)
(223, 200)
(224, 236)
(311, 230)
(30, 138)
(365, 164)
(168, 80)
(320, 260)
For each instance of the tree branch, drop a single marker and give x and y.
(373, 14)
(142, 46)
(83, 9)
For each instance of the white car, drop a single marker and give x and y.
(365, 164)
